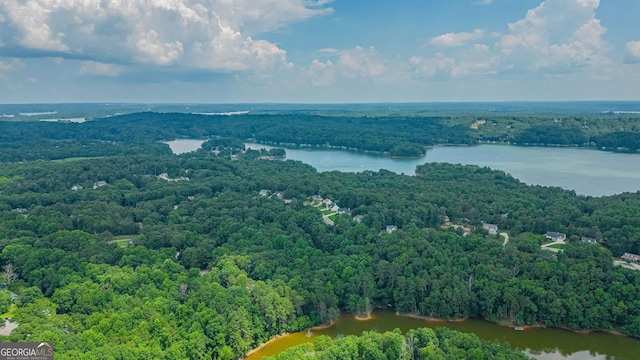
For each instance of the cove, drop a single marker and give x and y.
(544, 344)
(586, 171)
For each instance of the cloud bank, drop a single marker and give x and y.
(215, 35)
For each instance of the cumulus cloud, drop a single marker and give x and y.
(352, 63)
(321, 73)
(101, 69)
(200, 34)
(633, 52)
(456, 39)
(558, 34)
(361, 62)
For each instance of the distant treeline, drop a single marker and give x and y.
(402, 136)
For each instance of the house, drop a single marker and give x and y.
(327, 201)
(555, 236)
(278, 194)
(287, 201)
(391, 228)
(99, 184)
(633, 258)
(316, 198)
(330, 205)
(163, 176)
(76, 187)
(358, 218)
(334, 208)
(588, 240)
(344, 211)
(264, 192)
(20, 210)
(491, 228)
(191, 197)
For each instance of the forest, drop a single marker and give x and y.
(105, 255)
(397, 135)
(422, 343)
(111, 260)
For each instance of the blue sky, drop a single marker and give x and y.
(216, 51)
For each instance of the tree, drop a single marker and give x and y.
(9, 273)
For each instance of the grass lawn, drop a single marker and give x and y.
(326, 212)
(122, 240)
(9, 313)
(332, 217)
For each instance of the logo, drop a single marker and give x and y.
(26, 351)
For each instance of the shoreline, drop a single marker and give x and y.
(363, 318)
(431, 319)
(261, 346)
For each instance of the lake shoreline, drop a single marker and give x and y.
(536, 338)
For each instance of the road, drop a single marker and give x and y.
(506, 238)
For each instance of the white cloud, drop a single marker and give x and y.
(456, 39)
(633, 52)
(202, 34)
(15, 64)
(321, 73)
(356, 63)
(483, 2)
(436, 66)
(98, 68)
(361, 62)
(561, 35)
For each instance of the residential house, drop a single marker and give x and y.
(99, 184)
(358, 218)
(588, 240)
(278, 194)
(76, 187)
(344, 211)
(555, 236)
(287, 201)
(316, 198)
(391, 228)
(191, 197)
(163, 176)
(633, 258)
(264, 192)
(20, 210)
(491, 228)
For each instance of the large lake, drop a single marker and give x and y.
(587, 172)
(543, 344)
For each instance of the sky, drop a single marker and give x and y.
(318, 51)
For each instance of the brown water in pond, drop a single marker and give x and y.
(546, 344)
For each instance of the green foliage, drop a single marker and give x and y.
(275, 267)
(423, 343)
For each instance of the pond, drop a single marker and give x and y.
(544, 344)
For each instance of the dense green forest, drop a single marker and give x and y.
(206, 267)
(399, 135)
(423, 343)
(111, 260)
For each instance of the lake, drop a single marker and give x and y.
(586, 171)
(544, 344)
(182, 146)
